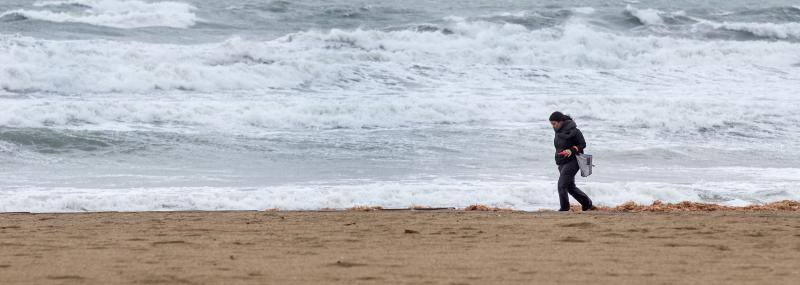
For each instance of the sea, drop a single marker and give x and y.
(146, 105)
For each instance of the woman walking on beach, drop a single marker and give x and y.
(568, 142)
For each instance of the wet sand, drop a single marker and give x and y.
(400, 247)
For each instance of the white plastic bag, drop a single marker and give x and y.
(585, 163)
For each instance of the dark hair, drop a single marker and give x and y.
(559, 117)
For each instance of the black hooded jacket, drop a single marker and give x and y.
(567, 136)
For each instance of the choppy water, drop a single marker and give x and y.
(212, 105)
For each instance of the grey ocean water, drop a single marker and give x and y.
(115, 105)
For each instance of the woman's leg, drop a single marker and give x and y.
(566, 184)
(582, 198)
(565, 179)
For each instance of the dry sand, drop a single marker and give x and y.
(400, 247)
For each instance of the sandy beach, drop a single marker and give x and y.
(400, 247)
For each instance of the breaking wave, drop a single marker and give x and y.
(339, 74)
(784, 31)
(124, 14)
(676, 20)
(531, 195)
(651, 119)
(645, 16)
(353, 59)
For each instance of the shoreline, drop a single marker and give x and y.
(627, 207)
(400, 247)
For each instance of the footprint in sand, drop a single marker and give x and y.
(346, 264)
(581, 225)
(65, 277)
(571, 239)
(168, 242)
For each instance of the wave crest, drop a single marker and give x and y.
(645, 16)
(359, 59)
(783, 31)
(113, 13)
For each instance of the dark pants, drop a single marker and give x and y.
(566, 184)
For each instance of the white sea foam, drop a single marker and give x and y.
(653, 118)
(518, 14)
(646, 16)
(345, 69)
(125, 14)
(583, 10)
(765, 30)
(364, 58)
(244, 115)
(530, 195)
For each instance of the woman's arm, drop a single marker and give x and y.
(581, 142)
